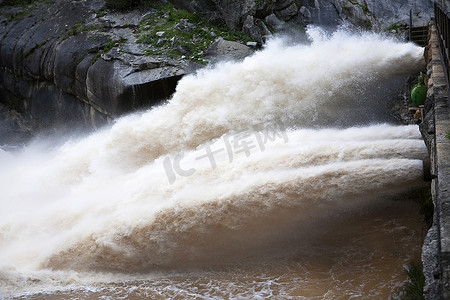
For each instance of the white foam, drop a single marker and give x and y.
(115, 201)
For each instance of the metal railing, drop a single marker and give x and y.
(418, 33)
(442, 19)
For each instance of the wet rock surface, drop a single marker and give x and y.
(13, 128)
(63, 64)
(77, 63)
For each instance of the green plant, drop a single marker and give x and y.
(413, 289)
(366, 23)
(448, 134)
(394, 27)
(362, 5)
(105, 49)
(100, 13)
(364, 8)
(76, 29)
(163, 35)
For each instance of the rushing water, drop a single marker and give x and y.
(272, 177)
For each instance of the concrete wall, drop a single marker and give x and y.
(436, 125)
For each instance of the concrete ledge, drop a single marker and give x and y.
(437, 243)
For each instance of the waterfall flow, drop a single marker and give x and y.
(244, 157)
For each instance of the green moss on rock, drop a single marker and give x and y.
(178, 33)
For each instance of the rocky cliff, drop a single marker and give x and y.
(61, 65)
(66, 63)
(250, 14)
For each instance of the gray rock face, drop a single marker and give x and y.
(274, 23)
(64, 63)
(366, 13)
(252, 30)
(398, 11)
(287, 13)
(227, 50)
(58, 67)
(13, 128)
(326, 12)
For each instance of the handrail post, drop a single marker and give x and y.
(442, 22)
(410, 25)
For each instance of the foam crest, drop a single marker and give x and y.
(139, 220)
(292, 83)
(146, 194)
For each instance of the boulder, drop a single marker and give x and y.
(274, 23)
(306, 14)
(222, 49)
(252, 30)
(282, 4)
(121, 82)
(184, 25)
(287, 13)
(264, 30)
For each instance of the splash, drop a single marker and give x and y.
(114, 201)
(294, 83)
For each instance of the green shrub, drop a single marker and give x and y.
(162, 37)
(414, 288)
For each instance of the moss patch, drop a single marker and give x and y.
(397, 27)
(362, 5)
(100, 13)
(180, 34)
(108, 46)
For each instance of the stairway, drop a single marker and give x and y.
(419, 35)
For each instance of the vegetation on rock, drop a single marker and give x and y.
(109, 45)
(178, 33)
